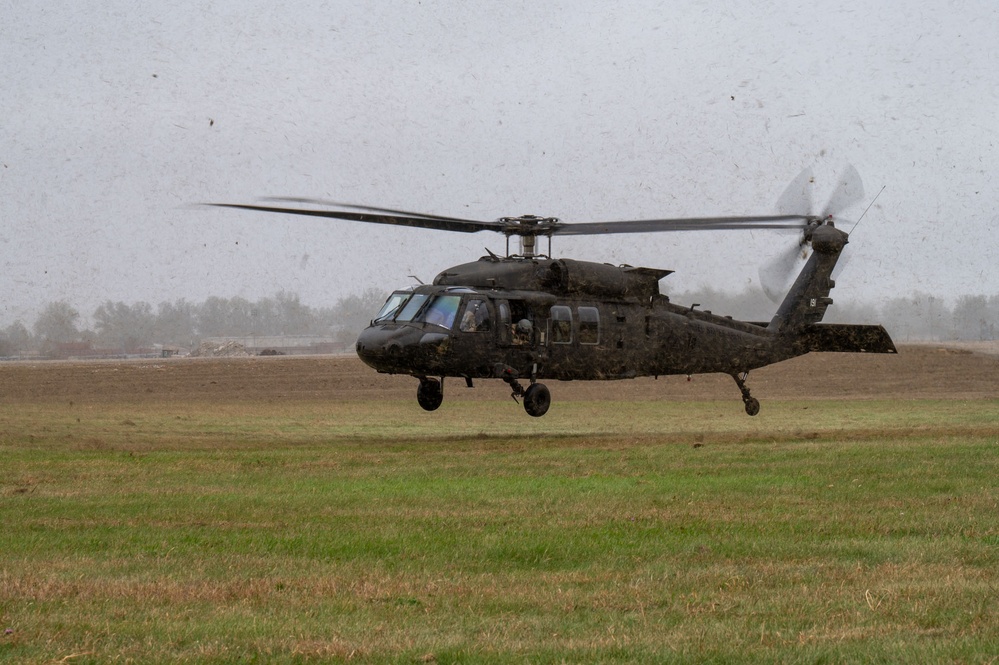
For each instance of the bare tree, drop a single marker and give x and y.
(15, 340)
(177, 323)
(125, 328)
(353, 313)
(56, 325)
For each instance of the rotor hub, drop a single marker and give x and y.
(524, 225)
(528, 227)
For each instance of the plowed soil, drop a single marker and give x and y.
(917, 372)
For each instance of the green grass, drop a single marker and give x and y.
(603, 532)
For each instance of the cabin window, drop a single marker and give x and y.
(412, 307)
(589, 325)
(476, 317)
(561, 325)
(442, 311)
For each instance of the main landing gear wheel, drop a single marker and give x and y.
(752, 406)
(537, 399)
(430, 394)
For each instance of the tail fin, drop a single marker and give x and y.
(808, 298)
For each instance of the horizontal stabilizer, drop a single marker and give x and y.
(839, 337)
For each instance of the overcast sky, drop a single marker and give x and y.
(116, 116)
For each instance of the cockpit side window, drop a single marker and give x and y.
(442, 311)
(391, 306)
(475, 317)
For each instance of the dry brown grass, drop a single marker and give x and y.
(270, 522)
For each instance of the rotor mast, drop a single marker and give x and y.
(528, 227)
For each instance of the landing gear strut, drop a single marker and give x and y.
(430, 394)
(752, 404)
(537, 397)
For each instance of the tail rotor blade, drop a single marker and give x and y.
(776, 274)
(848, 191)
(797, 198)
(844, 260)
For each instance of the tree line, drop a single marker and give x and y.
(123, 328)
(916, 317)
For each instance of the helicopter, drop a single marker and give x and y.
(526, 316)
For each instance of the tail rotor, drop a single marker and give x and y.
(776, 274)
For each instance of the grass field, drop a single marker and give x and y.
(832, 531)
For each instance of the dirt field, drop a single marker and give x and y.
(917, 372)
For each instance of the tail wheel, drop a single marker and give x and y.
(430, 394)
(752, 404)
(537, 399)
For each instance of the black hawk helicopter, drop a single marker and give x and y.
(528, 316)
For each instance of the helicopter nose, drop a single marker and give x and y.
(402, 349)
(378, 347)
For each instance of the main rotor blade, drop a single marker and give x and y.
(355, 206)
(440, 224)
(785, 222)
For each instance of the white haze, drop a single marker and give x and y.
(116, 117)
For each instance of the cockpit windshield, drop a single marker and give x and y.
(442, 311)
(404, 307)
(391, 306)
(412, 307)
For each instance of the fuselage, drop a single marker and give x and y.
(556, 319)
